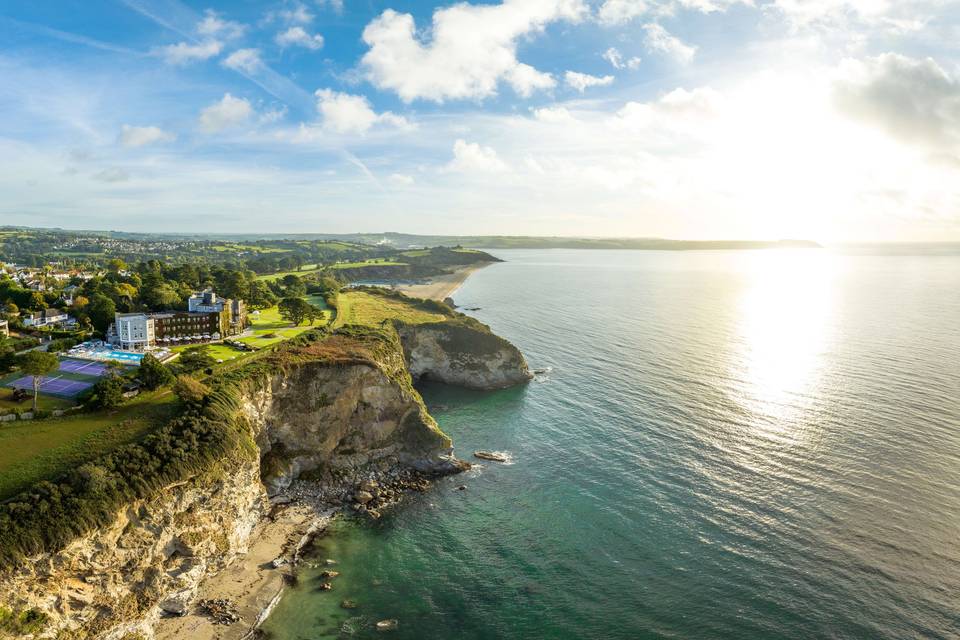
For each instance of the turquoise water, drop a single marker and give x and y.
(727, 445)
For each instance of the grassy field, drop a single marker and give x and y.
(218, 351)
(307, 269)
(46, 403)
(367, 263)
(269, 328)
(360, 307)
(33, 450)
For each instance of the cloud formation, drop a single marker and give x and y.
(131, 136)
(244, 60)
(471, 49)
(912, 99)
(471, 157)
(346, 113)
(298, 37)
(617, 61)
(581, 81)
(659, 40)
(228, 112)
(184, 53)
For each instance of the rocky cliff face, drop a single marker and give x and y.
(117, 579)
(461, 355)
(325, 417)
(338, 404)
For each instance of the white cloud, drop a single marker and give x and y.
(299, 14)
(401, 179)
(615, 12)
(470, 157)
(228, 112)
(581, 81)
(131, 136)
(298, 36)
(185, 52)
(620, 11)
(913, 99)
(553, 114)
(346, 113)
(659, 40)
(214, 26)
(472, 48)
(336, 5)
(244, 60)
(617, 61)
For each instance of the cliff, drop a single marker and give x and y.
(465, 354)
(326, 405)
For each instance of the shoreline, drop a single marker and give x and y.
(441, 287)
(251, 582)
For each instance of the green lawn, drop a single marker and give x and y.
(218, 351)
(269, 328)
(360, 307)
(34, 450)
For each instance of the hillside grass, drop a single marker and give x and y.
(34, 450)
(45, 402)
(369, 308)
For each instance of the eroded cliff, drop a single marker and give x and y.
(322, 404)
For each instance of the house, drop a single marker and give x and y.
(4, 328)
(45, 318)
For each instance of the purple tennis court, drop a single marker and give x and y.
(53, 386)
(86, 368)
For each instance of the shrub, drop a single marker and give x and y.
(153, 374)
(191, 391)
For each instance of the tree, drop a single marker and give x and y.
(11, 309)
(195, 359)
(37, 301)
(153, 374)
(314, 313)
(116, 265)
(293, 286)
(259, 295)
(108, 392)
(101, 311)
(38, 364)
(294, 310)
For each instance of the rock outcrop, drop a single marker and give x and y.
(459, 354)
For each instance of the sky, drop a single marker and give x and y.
(831, 120)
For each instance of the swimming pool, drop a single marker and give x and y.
(89, 351)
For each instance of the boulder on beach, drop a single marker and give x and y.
(363, 497)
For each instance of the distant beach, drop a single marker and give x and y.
(441, 287)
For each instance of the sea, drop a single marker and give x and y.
(729, 445)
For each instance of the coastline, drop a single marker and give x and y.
(441, 287)
(251, 582)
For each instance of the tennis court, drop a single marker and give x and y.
(54, 386)
(87, 368)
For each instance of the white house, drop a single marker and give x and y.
(45, 318)
(134, 331)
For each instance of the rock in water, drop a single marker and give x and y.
(490, 455)
(363, 497)
(388, 625)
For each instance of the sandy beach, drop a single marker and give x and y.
(441, 287)
(251, 581)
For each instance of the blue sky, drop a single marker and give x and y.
(830, 119)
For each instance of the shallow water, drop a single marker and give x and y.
(727, 445)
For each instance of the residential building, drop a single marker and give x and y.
(45, 318)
